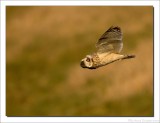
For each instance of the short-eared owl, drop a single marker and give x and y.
(108, 47)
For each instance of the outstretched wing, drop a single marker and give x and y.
(110, 41)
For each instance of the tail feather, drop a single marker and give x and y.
(128, 56)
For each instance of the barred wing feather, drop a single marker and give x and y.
(110, 41)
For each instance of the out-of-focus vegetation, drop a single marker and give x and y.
(44, 46)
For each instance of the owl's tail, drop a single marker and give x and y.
(128, 56)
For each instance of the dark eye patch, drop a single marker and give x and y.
(88, 59)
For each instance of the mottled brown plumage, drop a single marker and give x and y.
(108, 48)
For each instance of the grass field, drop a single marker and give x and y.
(44, 46)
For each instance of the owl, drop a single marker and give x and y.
(108, 51)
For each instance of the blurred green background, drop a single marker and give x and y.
(44, 46)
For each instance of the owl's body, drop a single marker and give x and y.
(108, 48)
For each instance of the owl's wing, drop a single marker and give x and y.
(110, 41)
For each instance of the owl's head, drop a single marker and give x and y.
(87, 62)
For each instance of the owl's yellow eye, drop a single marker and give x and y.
(88, 59)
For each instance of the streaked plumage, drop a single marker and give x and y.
(108, 48)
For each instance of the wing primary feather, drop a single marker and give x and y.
(111, 40)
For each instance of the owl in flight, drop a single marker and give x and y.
(108, 51)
